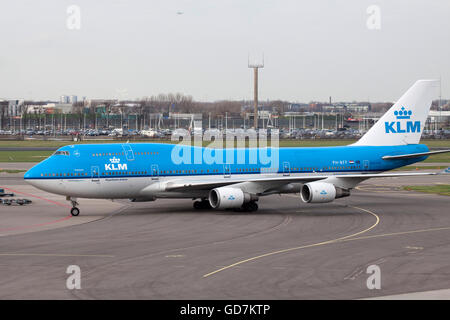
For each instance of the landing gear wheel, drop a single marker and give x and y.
(253, 206)
(197, 205)
(74, 211)
(249, 206)
(206, 204)
(202, 205)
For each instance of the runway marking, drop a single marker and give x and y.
(39, 224)
(300, 247)
(37, 197)
(34, 225)
(397, 234)
(57, 255)
(414, 248)
(330, 242)
(355, 274)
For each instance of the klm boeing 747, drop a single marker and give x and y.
(236, 178)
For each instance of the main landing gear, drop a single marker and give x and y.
(74, 211)
(249, 206)
(202, 205)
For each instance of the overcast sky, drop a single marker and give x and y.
(135, 48)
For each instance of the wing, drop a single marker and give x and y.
(273, 180)
(214, 182)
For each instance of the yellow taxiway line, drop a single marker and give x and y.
(301, 247)
(397, 233)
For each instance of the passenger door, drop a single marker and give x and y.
(366, 164)
(128, 152)
(154, 172)
(94, 174)
(226, 170)
(286, 169)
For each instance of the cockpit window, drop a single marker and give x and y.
(64, 153)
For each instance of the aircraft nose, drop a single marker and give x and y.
(32, 173)
(27, 174)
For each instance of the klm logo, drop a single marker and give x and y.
(323, 192)
(402, 127)
(231, 198)
(115, 164)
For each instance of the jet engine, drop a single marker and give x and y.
(227, 198)
(320, 192)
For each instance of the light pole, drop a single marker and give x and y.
(255, 67)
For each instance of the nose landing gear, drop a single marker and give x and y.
(74, 211)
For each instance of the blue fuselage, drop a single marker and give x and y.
(167, 160)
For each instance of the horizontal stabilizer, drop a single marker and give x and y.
(413, 155)
(445, 171)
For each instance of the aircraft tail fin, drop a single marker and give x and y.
(404, 122)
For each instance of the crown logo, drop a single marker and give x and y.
(403, 113)
(114, 160)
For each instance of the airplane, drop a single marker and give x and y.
(148, 171)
